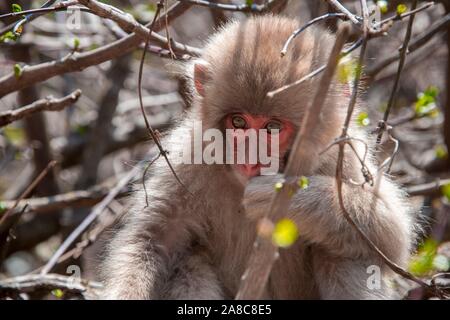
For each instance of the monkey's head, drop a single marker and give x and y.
(241, 63)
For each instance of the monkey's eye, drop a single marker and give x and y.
(273, 125)
(238, 122)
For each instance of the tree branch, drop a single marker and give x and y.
(339, 7)
(47, 104)
(130, 25)
(36, 282)
(415, 44)
(80, 61)
(258, 8)
(95, 213)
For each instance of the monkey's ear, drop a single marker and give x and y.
(201, 76)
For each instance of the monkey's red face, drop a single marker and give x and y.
(266, 131)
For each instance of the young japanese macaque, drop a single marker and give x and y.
(194, 241)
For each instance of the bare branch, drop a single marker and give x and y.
(47, 104)
(312, 74)
(402, 16)
(130, 25)
(339, 7)
(307, 25)
(95, 213)
(428, 189)
(58, 7)
(28, 190)
(402, 54)
(36, 282)
(80, 61)
(72, 199)
(339, 173)
(151, 131)
(415, 44)
(29, 17)
(258, 8)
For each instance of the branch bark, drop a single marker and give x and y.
(80, 61)
(130, 25)
(32, 283)
(47, 104)
(415, 44)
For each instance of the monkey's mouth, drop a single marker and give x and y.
(252, 170)
(249, 170)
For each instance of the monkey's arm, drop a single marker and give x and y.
(342, 257)
(152, 258)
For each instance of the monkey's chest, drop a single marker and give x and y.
(230, 248)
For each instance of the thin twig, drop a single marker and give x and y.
(428, 189)
(130, 25)
(257, 8)
(150, 129)
(338, 6)
(28, 190)
(93, 215)
(402, 16)
(312, 74)
(29, 17)
(79, 61)
(58, 7)
(307, 25)
(416, 43)
(402, 54)
(36, 282)
(47, 104)
(72, 199)
(339, 183)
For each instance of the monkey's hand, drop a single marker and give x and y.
(342, 261)
(383, 216)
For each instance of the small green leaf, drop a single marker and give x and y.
(426, 102)
(441, 152)
(285, 233)
(363, 119)
(445, 190)
(348, 69)
(14, 135)
(81, 129)
(249, 3)
(401, 8)
(76, 44)
(303, 182)
(17, 70)
(278, 186)
(432, 91)
(16, 7)
(383, 6)
(58, 293)
(2, 208)
(422, 262)
(8, 36)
